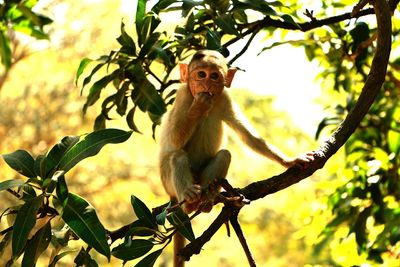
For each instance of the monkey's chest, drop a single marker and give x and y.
(205, 141)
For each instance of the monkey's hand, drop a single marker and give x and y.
(302, 161)
(191, 197)
(202, 103)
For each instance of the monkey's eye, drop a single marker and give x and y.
(201, 74)
(214, 76)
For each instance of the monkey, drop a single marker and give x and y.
(190, 157)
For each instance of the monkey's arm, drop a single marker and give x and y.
(186, 115)
(256, 143)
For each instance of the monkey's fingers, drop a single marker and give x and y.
(193, 193)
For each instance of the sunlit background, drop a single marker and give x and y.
(277, 90)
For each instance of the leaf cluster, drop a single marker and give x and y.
(45, 196)
(365, 203)
(140, 70)
(19, 16)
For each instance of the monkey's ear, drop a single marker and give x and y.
(184, 69)
(229, 77)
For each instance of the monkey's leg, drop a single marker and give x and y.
(217, 168)
(183, 182)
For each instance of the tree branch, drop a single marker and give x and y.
(291, 176)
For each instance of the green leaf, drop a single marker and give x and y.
(150, 259)
(132, 249)
(24, 223)
(36, 246)
(22, 162)
(162, 216)
(125, 40)
(58, 151)
(95, 90)
(30, 30)
(181, 221)
(213, 40)
(394, 141)
(227, 24)
(41, 166)
(81, 217)
(5, 50)
(149, 44)
(131, 121)
(161, 5)
(62, 188)
(140, 14)
(88, 78)
(287, 18)
(60, 256)
(90, 145)
(84, 259)
(142, 212)
(82, 66)
(8, 184)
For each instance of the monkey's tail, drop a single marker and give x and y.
(179, 243)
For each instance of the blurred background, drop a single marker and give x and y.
(40, 104)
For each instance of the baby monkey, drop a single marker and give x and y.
(192, 132)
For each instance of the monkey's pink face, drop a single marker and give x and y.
(206, 79)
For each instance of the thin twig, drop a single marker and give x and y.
(238, 230)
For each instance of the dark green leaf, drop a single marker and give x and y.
(142, 212)
(289, 19)
(22, 162)
(126, 41)
(36, 246)
(82, 66)
(90, 145)
(150, 42)
(81, 217)
(213, 40)
(150, 259)
(161, 5)
(121, 99)
(58, 151)
(24, 222)
(140, 14)
(95, 90)
(181, 221)
(5, 50)
(62, 188)
(162, 216)
(88, 79)
(59, 257)
(132, 249)
(41, 166)
(84, 259)
(131, 121)
(99, 122)
(227, 24)
(8, 184)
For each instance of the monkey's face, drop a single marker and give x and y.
(206, 79)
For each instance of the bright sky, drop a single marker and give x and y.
(285, 73)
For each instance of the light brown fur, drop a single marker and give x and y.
(191, 135)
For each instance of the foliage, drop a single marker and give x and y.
(46, 197)
(367, 204)
(132, 68)
(19, 16)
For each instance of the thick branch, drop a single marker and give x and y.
(371, 88)
(306, 26)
